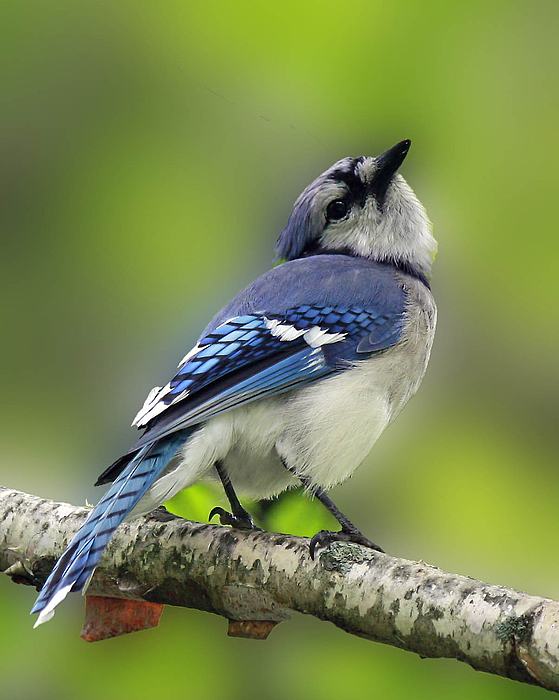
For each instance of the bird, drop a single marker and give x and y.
(294, 380)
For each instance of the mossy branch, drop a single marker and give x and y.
(259, 578)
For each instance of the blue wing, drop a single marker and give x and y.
(253, 356)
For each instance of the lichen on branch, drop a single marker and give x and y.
(262, 577)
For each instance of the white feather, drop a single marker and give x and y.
(316, 337)
(48, 612)
(190, 354)
(282, 331)
(153, 405)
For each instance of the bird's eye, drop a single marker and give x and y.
(336, 210)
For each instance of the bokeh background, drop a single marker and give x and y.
(150, 154)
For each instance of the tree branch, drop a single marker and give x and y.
(261, 576)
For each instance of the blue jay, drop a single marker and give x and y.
(296, 378)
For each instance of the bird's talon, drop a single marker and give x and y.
(218, 511)
(325, 537)
(241, 522)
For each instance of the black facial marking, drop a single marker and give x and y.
(357, 189)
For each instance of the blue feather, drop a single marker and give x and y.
(77, 564)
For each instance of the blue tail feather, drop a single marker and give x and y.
(82, 555)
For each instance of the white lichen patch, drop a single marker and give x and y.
(284, 560)
(358, 596)
(476, 613)
(64, 510)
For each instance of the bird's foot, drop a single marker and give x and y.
(325, 538)
(241, 520)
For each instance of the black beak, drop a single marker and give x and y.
(388, 164)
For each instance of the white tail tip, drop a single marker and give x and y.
(48, 611)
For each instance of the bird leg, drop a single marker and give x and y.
(238, 517)
(348, 533)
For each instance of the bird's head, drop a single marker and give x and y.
(362, 207)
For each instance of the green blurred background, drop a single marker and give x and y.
(150, 154)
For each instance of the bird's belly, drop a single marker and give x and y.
(323, 432)
(335, 423)
(258, 475)
(252, 461)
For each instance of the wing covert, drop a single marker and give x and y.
(257, 355)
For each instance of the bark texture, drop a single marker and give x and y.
(256, 579)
